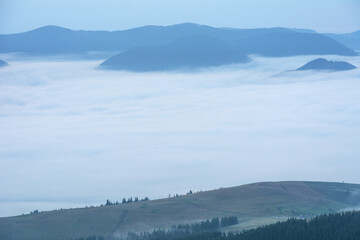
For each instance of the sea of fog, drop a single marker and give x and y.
(72, 135)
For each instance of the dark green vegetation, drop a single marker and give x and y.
(129, 200)
(251, 204)
(51, 40)
(323, 64)
(178, 231)
(337, 226)
(187, 53)
(3, 63)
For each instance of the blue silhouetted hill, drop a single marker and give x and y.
(51, 40)
(3, 63)
(351, 40)
(281, 43)
(188, 53)
(323, 64)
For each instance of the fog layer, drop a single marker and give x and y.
(71, 135)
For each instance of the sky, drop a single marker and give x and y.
(72, 135)
(337, 16)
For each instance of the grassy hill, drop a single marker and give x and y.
(253, 204)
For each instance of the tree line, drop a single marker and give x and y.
(183, 230)
(124, 200)
(180, 231)
(335, 226)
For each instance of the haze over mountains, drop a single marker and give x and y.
(190, 52)
(178, 46)
(3, 63)
(58, 40)
(106, 132)
(323, 64)
(250, 203)
(125, 110)
(351, 40)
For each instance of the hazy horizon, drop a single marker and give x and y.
(179, 23)
(335, 16)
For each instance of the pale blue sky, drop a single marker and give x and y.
(320, 15)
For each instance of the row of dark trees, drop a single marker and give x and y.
(180, 231)
(107, 203)
(124, 200)
(228, 221)
(180, 195)
(34, 212)
(186, 230)
(207, 226)
(337, 226)
(91, 238)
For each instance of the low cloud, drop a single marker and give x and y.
(74, 134)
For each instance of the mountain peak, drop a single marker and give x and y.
(186, 53)
(50, 29)
(262, 41)
(323, 64)
(3, 63)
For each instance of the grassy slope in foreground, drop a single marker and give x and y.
(247, 202)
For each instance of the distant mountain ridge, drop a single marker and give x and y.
(187, 53)
(52, 40)
(250, 203)
(3, 63)
(323, 64)
(351, 40)
(283, 44)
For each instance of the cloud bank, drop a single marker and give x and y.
(71, 135)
